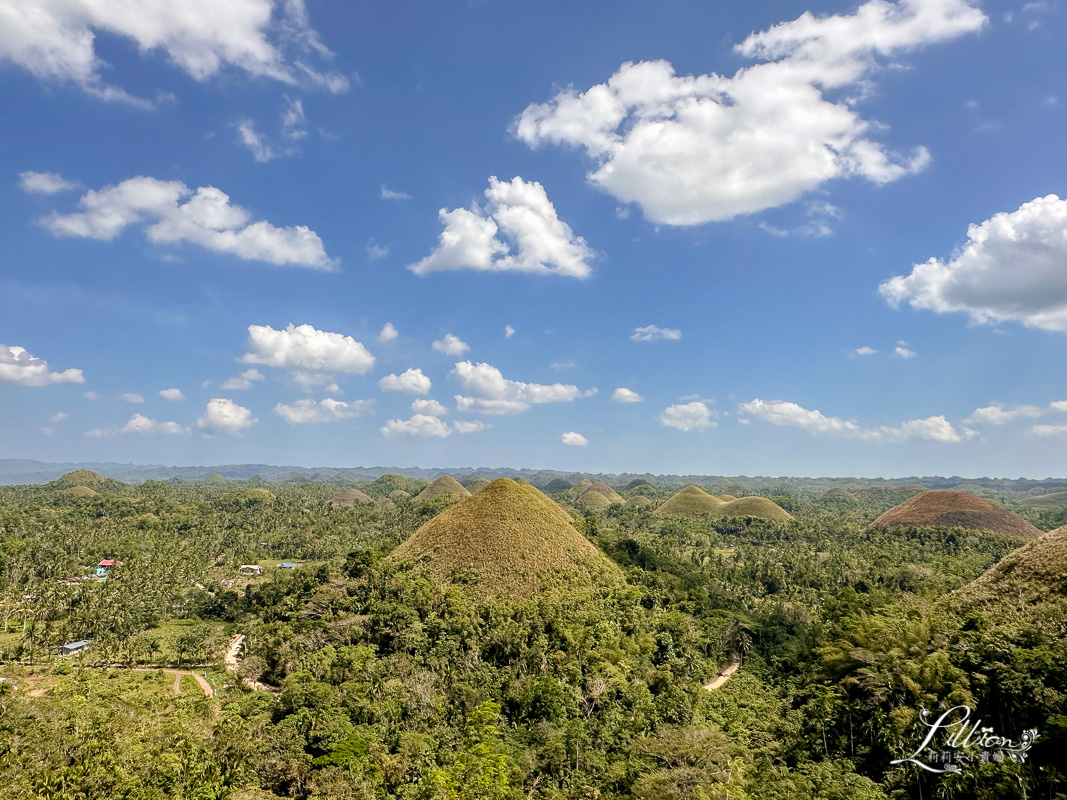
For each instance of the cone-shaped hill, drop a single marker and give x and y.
(582, 485)
(947, 509)
(349, 498)
(477, 485)
(445, 486)
(1034, 572)
(515, 538)
(692, 501)
(592, 500)
(87, 479)
(79, 491)
(759, 507)
(605, 490)
(556, 485)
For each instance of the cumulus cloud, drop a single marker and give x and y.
(389, 194)
(388, 333)
(430, 408)
(312, 357)
(411, 381)
(171, 394)
(489, 392)
(131, 397)
(19, 367)
(139, 423)
(225, 416)
(508, 331)
(624, 395)
(171, 213)
(55, 40)
(1010, 268)
(242, 381)
(44, 183)
(451, 345)
(697, 149)
(418, 425)
(517, 230)
(375, 251)
(652, 333)
(59, 416)
(307, 411)
(688, 416)
(780, 412)
(475, 426)
(865, 351)
(574, 439)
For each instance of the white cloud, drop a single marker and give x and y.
(508, 331)
(255, 142)
(411, 381)
(696, 149)
(294, 123)
(651, 333)
(574, 439)
(489, 392)
(48, 430)
(242, 381)
(688, 416)
(139, 423)
(1048, 431)
(225, 416)
(430, 408)
(865, 351)
(624, 395)
(311, 356)
(59, 416)
(558, 365)
(1000, 414)
(517, 231)
(780, 412)
(451, 345)
(418, 425)
(388, 333)
(1058, 405)
(89, 395)
(19, 367)
(389, 194)
(131, 397)
(375, 251)
(54, 39)
(1011, 268)
(307, 411)
(476, 426)
(44, 183)
(171, 213)
(172, 394)
(903, 350)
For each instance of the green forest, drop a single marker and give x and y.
(252, 639)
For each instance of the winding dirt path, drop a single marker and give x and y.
(208, 691)
(725, 675)
(231, 665)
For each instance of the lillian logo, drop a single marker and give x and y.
(954, 739)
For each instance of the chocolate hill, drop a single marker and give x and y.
(592, 500)
(1024, 576)
(755, 507)
(606, 491)
(349, 498)
(692, 501)
(477, 485)
(949, 509)
(445, 486)
(86, 479)
(514, 538)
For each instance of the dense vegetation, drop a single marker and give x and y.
(375, 679)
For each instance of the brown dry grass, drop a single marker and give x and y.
(592, 500)
(80, 491)
(949, 509)
(514, 537)
(477, 485)
(1025, 576)
(606, 491)
(348, 498)
(445, 486)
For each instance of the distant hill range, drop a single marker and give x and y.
(25, 471)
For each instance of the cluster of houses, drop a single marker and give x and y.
(99, 573)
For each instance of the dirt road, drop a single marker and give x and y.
(725, 675)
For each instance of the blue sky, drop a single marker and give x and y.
(711, 238)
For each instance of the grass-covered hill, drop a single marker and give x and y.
(1025, 576)
(948, 509)
(510, 540)
(759, 507)
(349, 498)
(445, 486)
(692, 501)
(87, 479)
